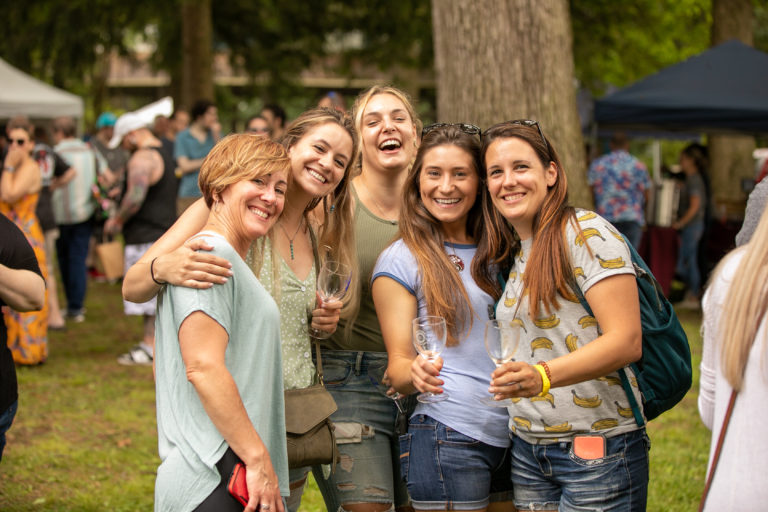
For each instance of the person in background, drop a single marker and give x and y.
(735, 351)
(756, 203)
(355, 358)
(575, 442)
(621, 188)
(258, 125)
(22, 288)
(179, 122)
(191, 147)
(219, 374)
(455, 455)
(52, 168)
(146, 211)
(694, 162)
(275, 116)
(20, 184)
(333, 100)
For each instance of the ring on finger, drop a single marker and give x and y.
(264, 506)
(519, 386)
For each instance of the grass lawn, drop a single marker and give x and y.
(85, 439)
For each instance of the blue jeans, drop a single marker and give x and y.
(632, 231)
(688, 259)
(6, 419)
(72, 250)
(447, 470)
(551, 477)
(369, 470)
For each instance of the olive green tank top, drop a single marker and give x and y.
(372, 235)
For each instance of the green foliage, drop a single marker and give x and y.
(617, 43)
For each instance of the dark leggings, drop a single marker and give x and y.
(220, 500)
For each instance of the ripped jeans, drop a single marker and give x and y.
(369, 470)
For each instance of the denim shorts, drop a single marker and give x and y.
(447, 470)
(368, 471)
(551, 477)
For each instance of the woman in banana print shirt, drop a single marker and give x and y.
(576, 445)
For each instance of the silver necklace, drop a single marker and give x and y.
(290, 239)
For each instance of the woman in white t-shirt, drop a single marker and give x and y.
(455, 453)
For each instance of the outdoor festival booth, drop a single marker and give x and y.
(21, 94)
(721, 90)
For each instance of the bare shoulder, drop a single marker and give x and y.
(148, 162)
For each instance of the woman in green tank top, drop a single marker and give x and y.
(355, 361)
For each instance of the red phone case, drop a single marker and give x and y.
(237, 486)
(589, 447)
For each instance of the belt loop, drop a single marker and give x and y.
(359, 363)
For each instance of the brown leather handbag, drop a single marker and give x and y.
(309, 430)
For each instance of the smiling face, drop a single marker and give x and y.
(251, 207)
(320, 158)
(388, 134)
(517, 181)
(448, 185)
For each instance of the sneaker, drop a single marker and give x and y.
(138, 356)
(690, 302)
(77, 317)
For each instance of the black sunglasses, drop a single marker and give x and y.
(467, 128)
(20, 142)
(531, 123)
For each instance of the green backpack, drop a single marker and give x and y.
(664, 371)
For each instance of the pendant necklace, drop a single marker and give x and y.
(457, 262)
(290, 239)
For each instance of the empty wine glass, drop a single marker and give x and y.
(501, 341)
(429, 334)
(333, 280)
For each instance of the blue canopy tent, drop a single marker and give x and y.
(721, 90)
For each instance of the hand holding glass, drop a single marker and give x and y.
(429, 335)
(501, 341)
(333, 280)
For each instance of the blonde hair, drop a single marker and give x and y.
(745, 305)
(239, 157)
(359, 108)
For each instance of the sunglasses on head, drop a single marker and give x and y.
(531, 123)
(19, 142)
(467, 128)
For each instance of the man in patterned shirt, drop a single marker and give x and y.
(621, 188)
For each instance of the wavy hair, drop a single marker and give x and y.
(443, 289)
(548, 269)
(745, 306)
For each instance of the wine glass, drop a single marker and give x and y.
(429, 333)
(501, 341)
(333, 280)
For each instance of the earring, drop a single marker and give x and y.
(216, 206)
(333, 207)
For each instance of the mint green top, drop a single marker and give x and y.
(189, 444)
(296, 299)
(372, 235)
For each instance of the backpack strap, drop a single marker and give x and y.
(636, 412)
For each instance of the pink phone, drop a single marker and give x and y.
(589, 446)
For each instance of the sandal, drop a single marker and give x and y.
(138, 356)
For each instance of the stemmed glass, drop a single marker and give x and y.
(333, 280)
(429, 334)
(501, 341)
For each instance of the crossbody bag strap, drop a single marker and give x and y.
(718, 448)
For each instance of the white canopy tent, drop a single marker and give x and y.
(21, 94)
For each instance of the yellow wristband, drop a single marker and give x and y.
(544, 379)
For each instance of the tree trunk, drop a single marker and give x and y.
(498, 60)
(197, 52)
(731, 155)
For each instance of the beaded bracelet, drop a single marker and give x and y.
(152, 273)
(546, 369)
(544, 379)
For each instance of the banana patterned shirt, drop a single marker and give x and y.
(595, 406)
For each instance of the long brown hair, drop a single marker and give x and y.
(548, 270)
(444, 291)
